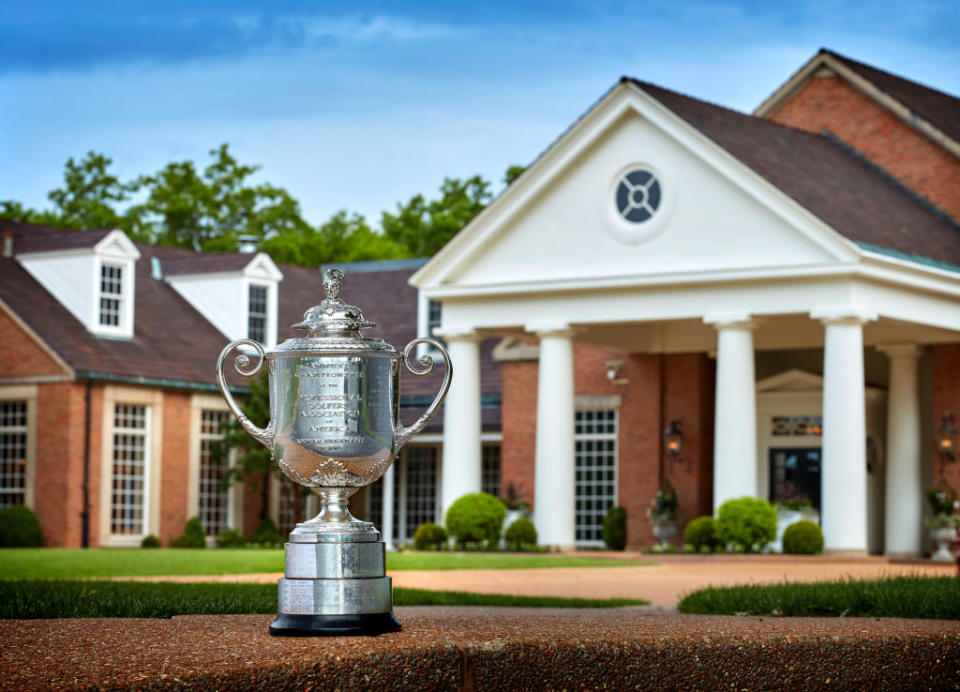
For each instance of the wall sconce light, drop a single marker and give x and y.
(614, 369)
(947, 439)
(673, 443)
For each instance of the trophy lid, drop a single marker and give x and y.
(333, 324)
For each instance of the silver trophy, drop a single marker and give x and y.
(334, 428)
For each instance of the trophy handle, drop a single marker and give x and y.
(403, 435)
(263, 436)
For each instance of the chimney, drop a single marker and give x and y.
(8, 244)
(156, 272)
(247, 244)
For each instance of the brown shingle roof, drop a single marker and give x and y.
(936, 107)
(846, 192)
(31, 237)
(188, 262)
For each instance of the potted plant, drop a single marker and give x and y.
(516, 509)
(943, 523)
(663, 514)
(790, 512)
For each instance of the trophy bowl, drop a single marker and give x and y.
(334, 428)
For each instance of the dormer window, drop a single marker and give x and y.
(257, 314)
(111, 294)
(429, 319)
(434, 317)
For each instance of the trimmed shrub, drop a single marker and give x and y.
(150, 541)
(701, 533)
(748, 523)
(521, 534)
(231, 538)
(803, 538)
(19, 528)
(476, 518)
(192, 536)
(615, 528)
(429, 536)
(267, 534)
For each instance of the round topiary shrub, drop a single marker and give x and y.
(701, 533)
(429, 536)
(19, 528)
(521, 534)
(476, 518)
(150, 541)
(231, 538)
(615, 528)
(748, 523)
(803, 538)
(192, 536)
(266, 533)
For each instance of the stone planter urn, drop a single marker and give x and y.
(942, 538)
(665, 533)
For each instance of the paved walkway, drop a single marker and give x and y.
(663, 583)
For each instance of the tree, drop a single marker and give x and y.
(423, 227)
(512, 173)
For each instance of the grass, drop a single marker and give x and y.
(51, 563)
(900, 597)
(94, 599)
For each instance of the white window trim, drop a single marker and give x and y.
(153, 399)
(270, 330)
(423, 326)
(198, 404)
(27, 393)
(615, 436)
(127, 298)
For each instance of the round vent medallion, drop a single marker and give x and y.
(638, 196)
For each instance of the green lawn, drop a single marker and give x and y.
(52, 563)
(85, 599)
(899, 597)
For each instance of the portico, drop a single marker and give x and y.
(641, 238)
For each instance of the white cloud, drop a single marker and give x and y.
(358, 28)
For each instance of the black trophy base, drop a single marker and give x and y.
(361, 624)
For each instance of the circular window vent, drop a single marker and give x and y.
(638, 196)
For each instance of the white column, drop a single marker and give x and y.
(735, 418)
(387, 504)
(461, 420)
(555, 474)
(843, 514)
(903, 506)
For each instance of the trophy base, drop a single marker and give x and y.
(368, 624)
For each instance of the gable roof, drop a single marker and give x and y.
(935, 113)
(31, 237)
(848, 193)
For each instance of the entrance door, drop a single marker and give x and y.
(795, 475)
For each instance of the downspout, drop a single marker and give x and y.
(85, 515)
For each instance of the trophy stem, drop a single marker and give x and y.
(334, 506)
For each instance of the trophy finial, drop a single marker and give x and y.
(331, 286)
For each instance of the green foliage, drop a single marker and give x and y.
(231, 538)
(615, 528)
(192, 536)
(150, 541)
(476, 518)
(423, 226)
(663, 507)
(898, 597)
(521, 534)
(267, 534)
(100, 599)
(748, 523)
(803, 538)
(19, 528)
(512, 173)
(941, 499)
(701, 533)
(429, 536)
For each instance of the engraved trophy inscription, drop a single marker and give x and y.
(334, 428)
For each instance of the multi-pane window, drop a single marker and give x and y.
(595, 440)
(213, 500)
(293, 507)
(490, 477)
(131, 427)
(13, 452)
(111, 294)
(421, 482)
(257, 314)
(434, 317)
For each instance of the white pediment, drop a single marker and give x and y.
(559, 222)
(262, 267)
(116, 244)
(794, 380)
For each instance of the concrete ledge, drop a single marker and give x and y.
(486, 648)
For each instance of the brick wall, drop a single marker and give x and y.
(175, 472)
(920, 163)
(946, 399)
(22, 355)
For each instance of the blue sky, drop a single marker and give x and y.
(360, 105)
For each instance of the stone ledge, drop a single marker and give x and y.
(486, 648)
